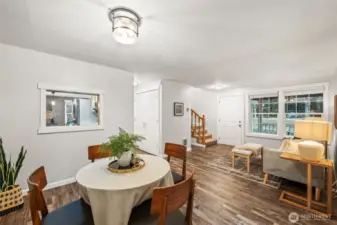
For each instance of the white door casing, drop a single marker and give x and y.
(146, 121)
(231, 119)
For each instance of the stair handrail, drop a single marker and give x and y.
(202, 121)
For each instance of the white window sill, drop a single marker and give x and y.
(267, 136)
(63, 129)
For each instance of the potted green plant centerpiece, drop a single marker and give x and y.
(122, 146)
(10, 193)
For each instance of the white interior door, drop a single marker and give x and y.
(231, 120)
(147, 120)
(68, 111)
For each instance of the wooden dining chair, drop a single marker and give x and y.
(75, 213)
(164, 207)
(94, 153)
(177, 151)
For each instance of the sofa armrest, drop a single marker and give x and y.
(271, 157)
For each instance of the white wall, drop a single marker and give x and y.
(175, 128)
(62, 154)
(206, 103)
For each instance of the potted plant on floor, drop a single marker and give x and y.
(10, 193)
(122, 146)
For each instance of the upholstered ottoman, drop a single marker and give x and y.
(246, 151)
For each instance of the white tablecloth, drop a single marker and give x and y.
(112, 195)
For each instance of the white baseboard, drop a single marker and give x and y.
(198, 145)
(189, 149)
(55, 184)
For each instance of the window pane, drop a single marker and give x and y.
(316, 97)
(302, 98)
(291, 115)
(290, 127)
(301, 116)
(272, 123)
(274, 108)
(316, 115)
(302, 107)
(290, 107)
(265, 118)
(254, 108)
(71, 109)
(291, 98)
(265, 108)
(274, 100)
(264, 113)
(255, 123)
(316, 107)
(272, 128)
(265, 100)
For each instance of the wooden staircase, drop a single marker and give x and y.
(198, 130)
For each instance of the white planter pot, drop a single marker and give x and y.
(125, 159)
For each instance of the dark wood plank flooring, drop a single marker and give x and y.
(220, 197)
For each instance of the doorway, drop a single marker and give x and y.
(146, 120)
(231, 120)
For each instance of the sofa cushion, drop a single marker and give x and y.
(76, 213)
(242, 152)
(177, 178)
(255, 149)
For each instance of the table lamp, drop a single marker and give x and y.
(313, 131)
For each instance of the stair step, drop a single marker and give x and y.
(207, 136)
(200, 130)
(211, 141)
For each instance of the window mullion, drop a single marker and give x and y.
(281, 115)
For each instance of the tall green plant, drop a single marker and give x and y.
(9, 171)
(118, 144)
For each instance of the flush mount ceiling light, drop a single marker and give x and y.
(125, 25)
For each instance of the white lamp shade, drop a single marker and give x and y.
(311, 150)
(313, 130)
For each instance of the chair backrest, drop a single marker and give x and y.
(177, 151)
(94, 153)
(169, 199)
(36, 182)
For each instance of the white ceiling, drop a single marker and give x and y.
(199, 42)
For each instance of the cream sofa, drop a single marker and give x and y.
(291, 170)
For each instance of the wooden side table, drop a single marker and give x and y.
(309, 202)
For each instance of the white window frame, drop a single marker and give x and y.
(44, 129)
(281, 131)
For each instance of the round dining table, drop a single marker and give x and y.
(113, 195)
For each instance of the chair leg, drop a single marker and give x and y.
(265, 180)
(317, 194)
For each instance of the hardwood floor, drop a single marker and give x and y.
(221, 197)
